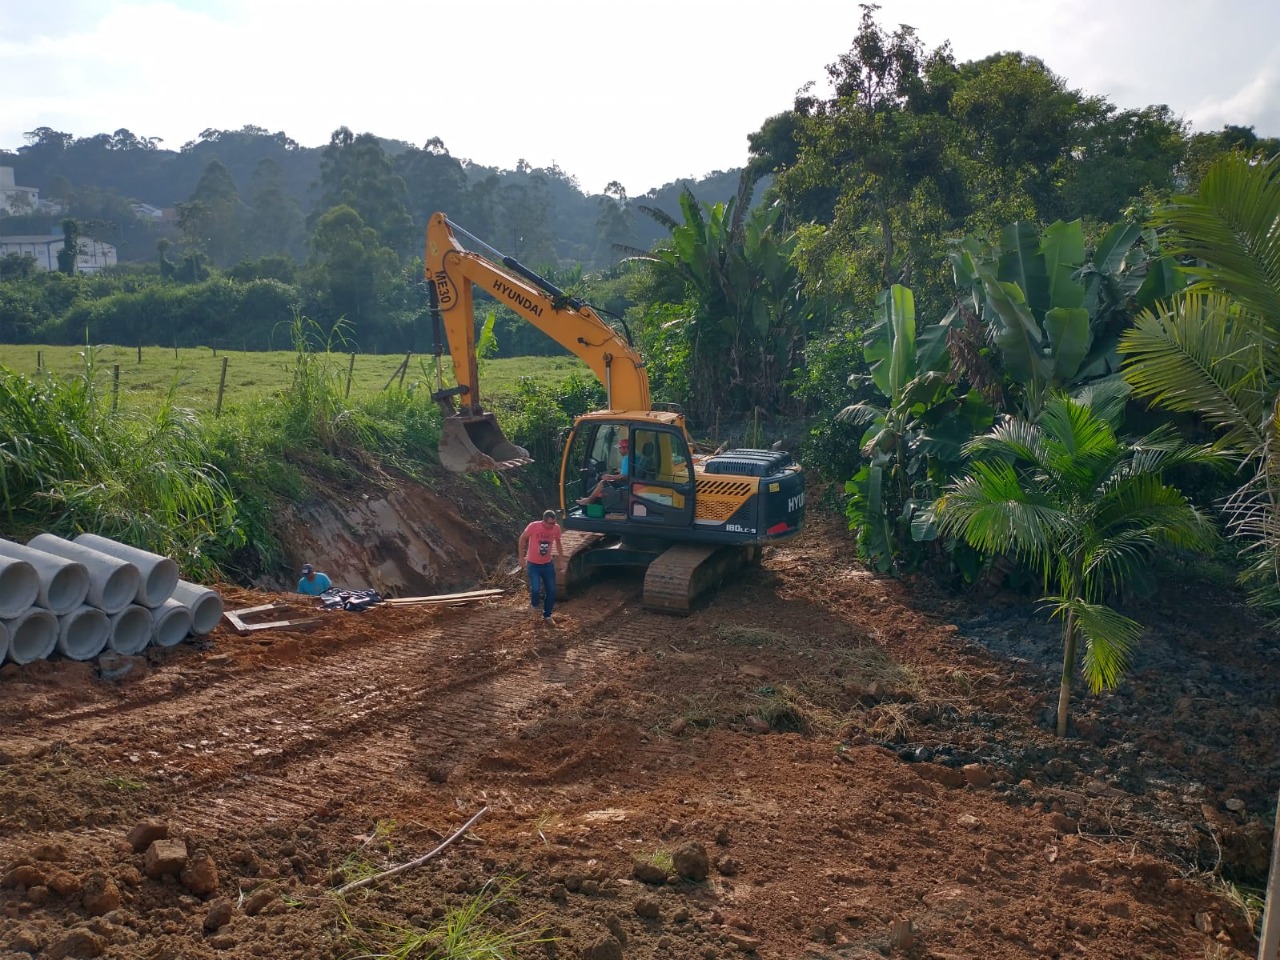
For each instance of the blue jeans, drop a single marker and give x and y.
(542, 580)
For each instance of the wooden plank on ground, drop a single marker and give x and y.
(444, 597)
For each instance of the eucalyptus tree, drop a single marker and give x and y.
(212, 220)
(352, 275)
(275, 224)
(1085, 508)
(356, 172)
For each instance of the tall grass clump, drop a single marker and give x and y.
(68, 463)
(312, 415)
(313, 408)
(485, 927)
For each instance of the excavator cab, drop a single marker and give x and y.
(633, 473)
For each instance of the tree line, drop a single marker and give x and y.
(256, 240)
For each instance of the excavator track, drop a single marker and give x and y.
(676, 579)
(576, 544)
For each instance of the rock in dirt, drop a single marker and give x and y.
(49, 852)
(117, 666)
(165, 857)
(728, 866)
(25, 875)
(78, 944)
(946, 776)
(147, 833)
(743, 942)
(648, 873)
(691, 861)
(606, 948)
(1062, 823)
(64, 884)
(258, 900)
(26, 940)
(614, 923)
(648, 908)
(219, 915)
(976, 775)
(100, 894)
(200, 875)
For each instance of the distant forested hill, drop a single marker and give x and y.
(539, 214)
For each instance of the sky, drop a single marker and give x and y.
(638, 93)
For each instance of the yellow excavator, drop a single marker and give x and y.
(632, 490)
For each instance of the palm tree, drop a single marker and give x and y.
(1085, 508)
(1215, 350)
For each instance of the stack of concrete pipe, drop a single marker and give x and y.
(81, 597)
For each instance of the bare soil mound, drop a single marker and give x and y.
(818, 763)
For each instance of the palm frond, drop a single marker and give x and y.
(1253, 515)
(1200, 356)
(993, 511)
(635, 253)
(1013, 439)
(1231, 225)
(1109, 639)
(659, 216)
(1106, 398)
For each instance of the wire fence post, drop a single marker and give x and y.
(405, 367)
(351, 368)
(1269, 942)
(115, 387)
(222, 385)
(139, 353)
(39, 360)
(399, 372)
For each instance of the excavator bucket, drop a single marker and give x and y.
(470, 444)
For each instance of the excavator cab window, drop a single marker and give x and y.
(630, 471)
(661, 487)
(596, 452)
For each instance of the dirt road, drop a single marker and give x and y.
(819, 763)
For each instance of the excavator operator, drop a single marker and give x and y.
(612, 480)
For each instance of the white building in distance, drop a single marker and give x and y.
(93, 256)
(16, 199)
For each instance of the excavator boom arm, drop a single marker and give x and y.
(570, 322)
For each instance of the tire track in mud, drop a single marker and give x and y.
(443, 728)
(285, 742)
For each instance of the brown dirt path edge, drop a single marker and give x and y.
(769, 729)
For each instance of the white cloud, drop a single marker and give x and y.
(609, 91)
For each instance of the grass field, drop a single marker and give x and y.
(197, 371)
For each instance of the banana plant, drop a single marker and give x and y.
(914, 439)
(1054, 313)
(748, 331)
